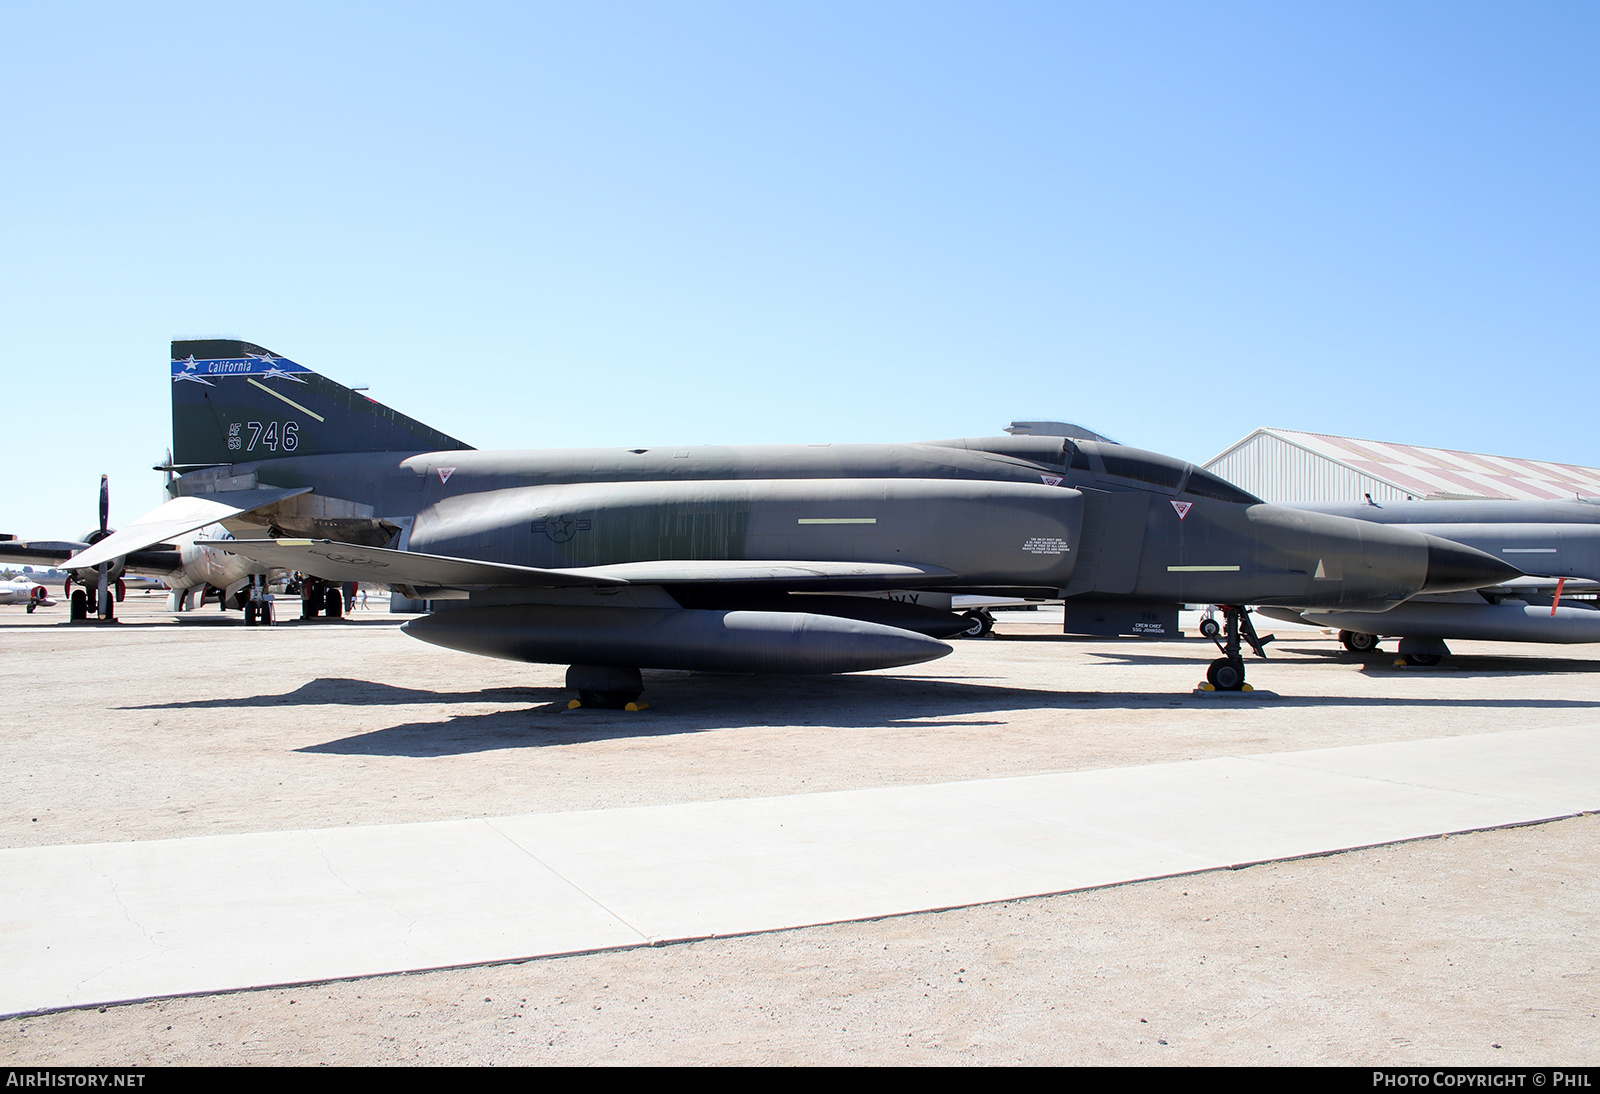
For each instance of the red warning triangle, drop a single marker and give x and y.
(1183, 508)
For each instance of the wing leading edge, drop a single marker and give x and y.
(176, 517)
(336, 561)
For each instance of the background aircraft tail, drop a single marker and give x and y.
(233, 402)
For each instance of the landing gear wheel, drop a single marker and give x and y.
(310, 599)
(80, 605)
(333, 603)
(1422, 659)
(267, 615)
(1210, 628)
(1358, 641)
(605, 687)
(250, 615)
(1226, 674)
(979, 624)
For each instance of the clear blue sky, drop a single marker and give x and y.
(619, 224)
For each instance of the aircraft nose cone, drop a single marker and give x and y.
(1453, 567)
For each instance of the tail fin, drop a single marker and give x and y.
(234, 401)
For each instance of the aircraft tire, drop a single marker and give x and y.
(979, 624)
(1359, 641)
(250, 615)
(1423, 659)
(267, 615)
(333, 602)
(310, 598)
(80, 605)
(1210, 628)
(32, 604)
(1226, 674)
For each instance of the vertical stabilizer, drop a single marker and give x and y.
(235, 401)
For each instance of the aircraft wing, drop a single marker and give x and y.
(176, 517)
(53, 552)
(335, 561)
(159, 559)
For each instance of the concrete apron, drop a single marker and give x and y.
(111, 922)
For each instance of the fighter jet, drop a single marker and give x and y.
(21, 589)
(739, 559)
(1556, 543)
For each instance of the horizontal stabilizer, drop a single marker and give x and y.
(176, 517)
(333, 561)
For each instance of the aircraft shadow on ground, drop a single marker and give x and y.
(202, 619)
(683, 703)
(340, 691)
(1455, 665)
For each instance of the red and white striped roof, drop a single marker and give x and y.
(1443, 472)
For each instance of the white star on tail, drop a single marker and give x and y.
(189, 364)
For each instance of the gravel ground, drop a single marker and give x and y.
(1475, 949)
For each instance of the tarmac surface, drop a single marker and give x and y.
(1471, 949)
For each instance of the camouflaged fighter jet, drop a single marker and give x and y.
(1557, 544)
(740, 559)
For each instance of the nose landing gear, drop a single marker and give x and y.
(1226, 673)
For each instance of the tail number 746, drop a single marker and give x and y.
(271, 436)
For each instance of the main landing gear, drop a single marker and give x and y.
(257, 604)
(605, 687)
(1358, 641)
(1413, 651)
(1226, 673)
(980, 624)
(1423, 651)
(318, 597)
(100, 603)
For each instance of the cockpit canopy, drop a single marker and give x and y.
(1117, 463)
(1111, 463)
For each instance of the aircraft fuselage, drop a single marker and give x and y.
(1001, 513)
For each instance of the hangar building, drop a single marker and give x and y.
(1279, 465)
